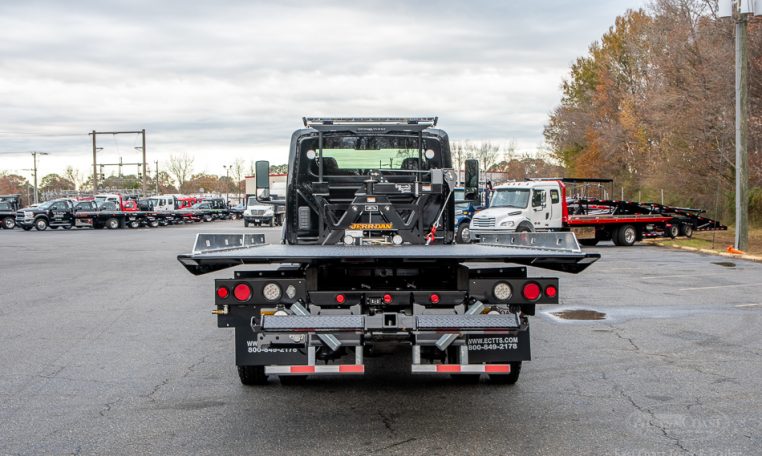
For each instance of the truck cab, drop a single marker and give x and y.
(522, 207)
(264, 212)
(54, 213)
(163, 203)
(464, 212)
(121, 203)
(9, 204)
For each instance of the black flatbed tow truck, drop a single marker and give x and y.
(8, 206)
(67, 213)
(368, 261)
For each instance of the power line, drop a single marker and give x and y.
(33, 133)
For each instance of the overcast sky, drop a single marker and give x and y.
(227, 80)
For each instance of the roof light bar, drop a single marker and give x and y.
(311, 121)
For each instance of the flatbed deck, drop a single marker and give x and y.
(570, 259)
(578, 220)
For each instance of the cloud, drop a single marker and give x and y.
(232, 79)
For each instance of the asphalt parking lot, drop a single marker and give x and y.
(109, 347)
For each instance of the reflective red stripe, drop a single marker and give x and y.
(448, 368)
(494, 368)
(302, 369)
(355, 368)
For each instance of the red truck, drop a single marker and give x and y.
(543, 205)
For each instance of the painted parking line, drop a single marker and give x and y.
(759, 304)
(722, 286)
(676, 276)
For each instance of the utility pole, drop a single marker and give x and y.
(145, 175)
(740, 10)
(742, 127)
(34, 169)
(95, 165)
(157, 176)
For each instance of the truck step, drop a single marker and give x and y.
(313, 322)
(472, 322)
(316, 370)
(492, 369)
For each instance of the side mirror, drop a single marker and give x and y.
(471, 183)
(262, 168)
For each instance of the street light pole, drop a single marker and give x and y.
(227, 181)
(34, 169)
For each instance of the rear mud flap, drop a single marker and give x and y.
(248, 353)
(498, 348)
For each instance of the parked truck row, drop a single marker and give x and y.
(111, 211)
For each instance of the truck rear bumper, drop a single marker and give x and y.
(259, 219)
(390, 321)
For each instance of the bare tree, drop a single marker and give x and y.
(74, 176)
(488, 154)
(239, 172)
(180, 167)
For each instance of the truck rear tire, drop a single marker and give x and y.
(509, 379)
(112, 223)
(134, 224)
(252, 375)
(627, 235)
(687, 230)
(41, 224)
(9, 223)
(463, 236)
(673, 231)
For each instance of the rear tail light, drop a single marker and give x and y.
(387, 298)
(531, 291)
(222, 292)
(242, 292)
(434, 298)
(551, 291)
(340, 298)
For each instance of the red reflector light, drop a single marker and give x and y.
(434, 298)
(531, 291)
(340, 298)
(387, 298)
(551, 291)
(242, 292)
(222, 292)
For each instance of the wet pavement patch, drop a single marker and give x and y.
(727, 264)
(579, 314)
